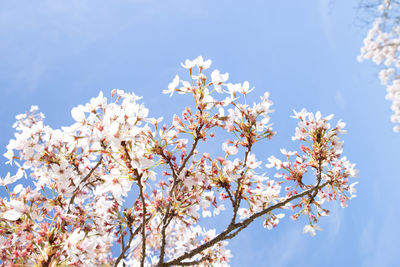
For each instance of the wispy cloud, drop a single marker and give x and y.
(339, 99)
(379, 242)
(366, 242)
(291, 240)
(326, 21)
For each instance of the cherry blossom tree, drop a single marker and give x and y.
(72, 209)
(382, 46)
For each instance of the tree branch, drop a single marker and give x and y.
(238, 192)
(143, 222)
(194, 145)
(83, 181)
(190, 263)
(227, 233)
(132, 235)
(128, 163)
(319, 178)
(175, 178)
(122, 242)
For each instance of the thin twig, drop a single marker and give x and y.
(167, 216)
(238, 192)
(132, 235)
(122, 242)
(143, 222)
(83, 181)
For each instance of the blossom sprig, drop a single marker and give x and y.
(381, 46)
(75, 212)
(80, 176)
(321, 155)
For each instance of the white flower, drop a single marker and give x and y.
(288, 153)
(210, 233)
(300, 115)
(274, 162)
(10, 179)
(230, 150)
(78, 113)
(10, 156)
(218, 209)
(12, 215)
(172, 86)
(273, 222)
(206, 213)
(74, 239)
(243, 213)
(352, 190)
(245, 88)
(201, 63)
(217, 79)
(18, 188)
(188, 64)
(311, 229)
(15, 212)
(233, 88)
(251, 162)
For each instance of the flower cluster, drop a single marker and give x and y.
(382, 46)
(321, 155)
(72, 210)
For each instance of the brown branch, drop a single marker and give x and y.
(238, 192)
(319, 178)
(229, 195)
(122, 241)
(194, 145)
(232, 235)
(74, 194)
(167, 212)
(132, 235)
(190, 263)
(227, 233)
(167, 216)
(143, 221)
(142, 199)
(83, 181)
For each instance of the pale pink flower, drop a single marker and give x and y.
(172, 86)
(17, 208)
(218, 79)
(230, 150)
(78, 113)
(201, 63)
(309, 228)
(189, 64)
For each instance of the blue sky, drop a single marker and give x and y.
(58, 54)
